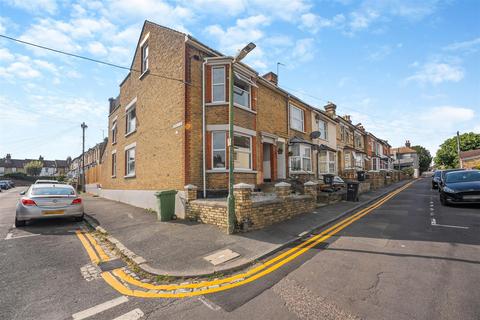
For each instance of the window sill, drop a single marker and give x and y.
(298, 130)
(234, 170)
(129, 176)
(301, 172)
(114, 143)
(143, 74)
(113, 177)
(216, 103)
(131, 132)
(244, 108)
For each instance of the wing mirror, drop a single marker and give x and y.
(23, 193)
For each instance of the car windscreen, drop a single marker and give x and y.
(52, 191)
(463, 176)
(437, 173)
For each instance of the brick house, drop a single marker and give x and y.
(470, 159)
(405, 157)
(326, 150)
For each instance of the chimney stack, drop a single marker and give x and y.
(407, 143)
(330, 109)
(347, 118)
(272, 77)
(8, 158)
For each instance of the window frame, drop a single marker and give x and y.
(249, 102)
(224, 83)
(114, 164)
(129, 174)
(249, 152)
(325, 129)
(144, 57)
(330, 158)
(224, 149)
(301, 153)
(128, 119)
(292, 107)
(114, 131)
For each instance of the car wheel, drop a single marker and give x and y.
(79, 219)
(443, 201)
(20, 223)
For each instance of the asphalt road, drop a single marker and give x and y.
(409, 259)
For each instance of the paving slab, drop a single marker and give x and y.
(179, 247)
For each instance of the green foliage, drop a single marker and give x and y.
(447, 156)
(408, 171)
(17, 176)
(424, 158)
(34, 168)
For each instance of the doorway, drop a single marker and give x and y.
(281, 168)
(267, 163)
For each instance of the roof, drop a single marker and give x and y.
(470, 153)
(402, 150)
(20, 163)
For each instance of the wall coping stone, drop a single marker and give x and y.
(190, 187)
(282, 184)
(310, 183)
(243, 186)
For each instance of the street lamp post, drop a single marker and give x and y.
(231, 198)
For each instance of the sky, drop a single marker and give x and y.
(406, 70)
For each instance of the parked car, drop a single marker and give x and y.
(461, 187)
(46, 181)
(4, 185)
(443, 173)
(44, 201)
(436, 179)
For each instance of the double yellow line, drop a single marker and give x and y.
(192, 289)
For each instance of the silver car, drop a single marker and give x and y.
(44, 201)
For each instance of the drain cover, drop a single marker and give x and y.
(111, 265)
(221, 256)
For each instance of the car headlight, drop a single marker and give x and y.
(449, 190)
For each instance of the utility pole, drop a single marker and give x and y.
(83, 126)
(458, 150)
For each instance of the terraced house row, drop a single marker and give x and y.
(168, 127)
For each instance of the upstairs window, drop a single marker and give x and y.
(219, 150)
(358, 141)
(218, 84)
(242, 152)
(241, 91)
(322, 128)
(131, 119)
(296, 119)
(114, 132)
(145, 57)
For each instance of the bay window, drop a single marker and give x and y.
(242, 151)
(296, 119)
(218, 149)
(218, 84)
(327, 161)
(301, 159)
(241, 91)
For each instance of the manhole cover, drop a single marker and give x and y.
(111, 265)
(221, 256)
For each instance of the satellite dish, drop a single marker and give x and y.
(315, 134)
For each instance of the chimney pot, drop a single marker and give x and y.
(272, 77)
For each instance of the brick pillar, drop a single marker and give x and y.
(243, 201)
(190, 192)
(310, 188)
(282, 189)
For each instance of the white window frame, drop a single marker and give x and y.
(330, 158)
(128, 126)
(325, 129)
(219, 84)
(114, 131)
(292, 108)
(224, 133)
(128, 173)
(114, 164)
(375, 164)
(144, 55)
(249, 92)
(349, 166)
(243, 150)
(301, 155)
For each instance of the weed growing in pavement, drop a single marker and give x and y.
(151, 211)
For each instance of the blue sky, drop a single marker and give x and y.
(404, 69)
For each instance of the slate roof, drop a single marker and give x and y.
(402, 150)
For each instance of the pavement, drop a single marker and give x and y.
(178, 248)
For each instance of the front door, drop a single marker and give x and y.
(281, 172)
(267, 166)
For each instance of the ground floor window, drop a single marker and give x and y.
(114, 164)
(242, 151)
(327, 162)
(348, 160)
(301, 158)
(375, 164)
(219, 149)
(130, 162)
(359, 161)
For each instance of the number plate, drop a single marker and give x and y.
(472, 197)
(50, 212)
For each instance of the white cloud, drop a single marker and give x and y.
(313, 23)
(303, 50)
(362, 19)
(437, 72)
(287, 10)
(229, 7)
(35, 6)
(447, 115)
(5, 55)
(97, 48)
(21, 68)
(467, 46)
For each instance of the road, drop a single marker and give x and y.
(410, 258)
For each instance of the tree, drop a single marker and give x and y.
(424, 158)
(447, 156)
(33, 168)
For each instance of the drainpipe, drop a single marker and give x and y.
(287, 145)
(203, 132)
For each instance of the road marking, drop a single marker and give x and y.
(450, 226)
(91, 253)
(242, 278)
(132, 315)
(99, 308)
(209, 304)
(11, 237)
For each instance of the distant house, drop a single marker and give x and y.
(470, 159)
(50, 167)
(405, 157)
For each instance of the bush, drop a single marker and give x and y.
(408, 171)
